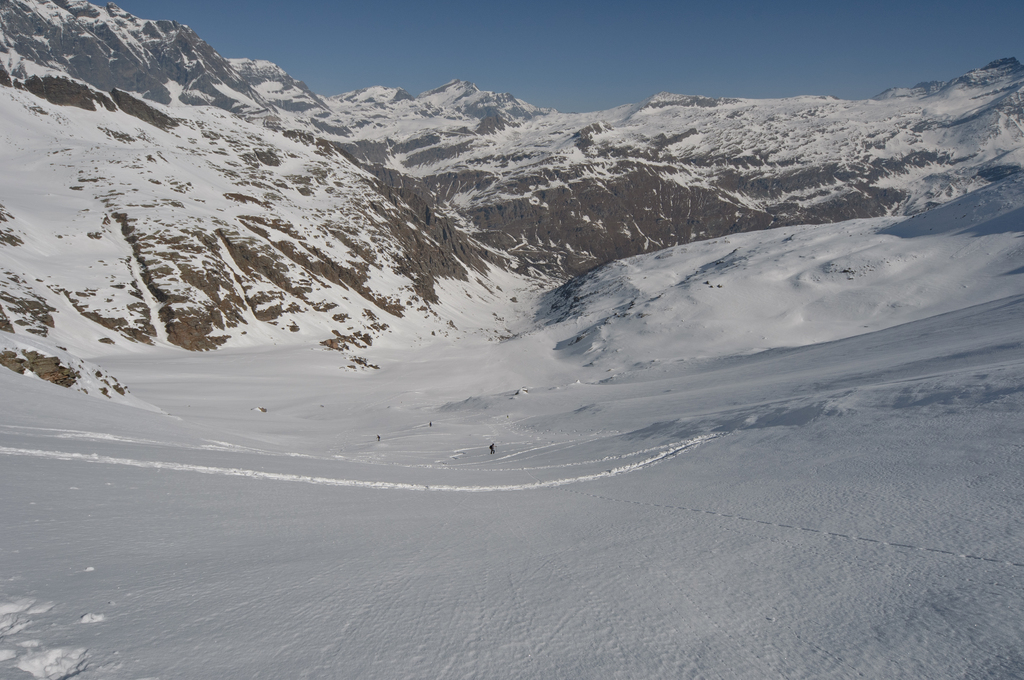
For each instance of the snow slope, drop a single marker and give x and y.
(796, 285)
(210, 230)
(789, 476)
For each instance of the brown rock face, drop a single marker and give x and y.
(23, 309)
(191, 322)
(65, 92)
(8, 237)
(47, 368)
(137, 326)
(141, 110)
(202, 278)
(640, 208)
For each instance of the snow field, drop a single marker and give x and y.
(789, 494)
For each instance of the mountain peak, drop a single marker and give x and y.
(1001, 69)
(469, 99)
(1006, 62)
(109, 48)
(463, 87)
(1007, 68)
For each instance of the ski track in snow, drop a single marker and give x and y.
(793, 527)
(458, 453)
(84, 435)
(667, 452)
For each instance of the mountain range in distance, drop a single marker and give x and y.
(220, 196)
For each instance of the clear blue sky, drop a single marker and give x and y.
(584, 56)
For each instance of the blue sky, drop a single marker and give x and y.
(577, 56)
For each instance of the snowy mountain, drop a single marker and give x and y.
(794, 286)
(122, 223)
(276, 87)
(163, 61)
(749, 453)
(561, 193)
(567, 192)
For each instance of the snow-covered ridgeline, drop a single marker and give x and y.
(210, 228)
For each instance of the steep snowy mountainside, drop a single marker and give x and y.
(276, 86)
(208, 231)
(163, 61)
(459, 95)
(793, 286)
(567, 192)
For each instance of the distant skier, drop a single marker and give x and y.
(492, 449)
(431, 423)
(378, 437)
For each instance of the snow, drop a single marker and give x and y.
(929, 144)
(808, 472)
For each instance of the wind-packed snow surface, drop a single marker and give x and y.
(789, 454)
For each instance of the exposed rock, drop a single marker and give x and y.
(342, 342)
(46, 367)
(5, 323)
(677, 168)
(990, 174)
(242, 198)
(360, 361)
(287, 94)
(490, 125)
(7, 235)
(23, 308)
(190, 321)
(109, 48)
(585, 138)
(9, 359)
(65, 92)
(259, 157)
(138, 328)
(141, 110)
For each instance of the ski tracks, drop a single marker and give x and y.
(661, 454)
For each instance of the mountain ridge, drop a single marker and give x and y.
(453, 184)
(123, 225)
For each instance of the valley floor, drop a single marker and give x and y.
(842, 509)
(791, 454)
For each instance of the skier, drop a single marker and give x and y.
(492, 448)
(378, 437)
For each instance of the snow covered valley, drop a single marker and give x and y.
(795, 453)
